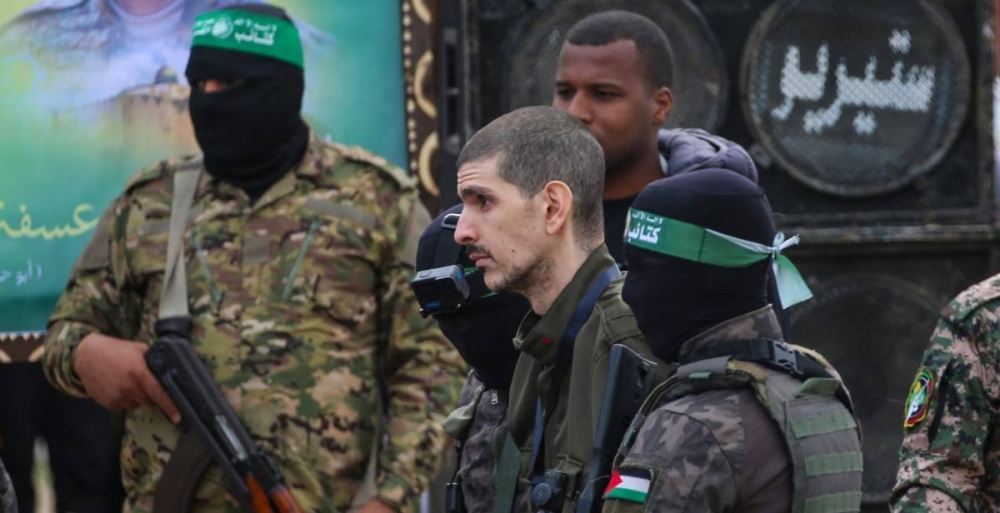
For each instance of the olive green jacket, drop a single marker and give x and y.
(569, 435)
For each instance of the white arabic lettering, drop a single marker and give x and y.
(633, 233)
(797, 85)
(21, 277)
(900, 41)
(257, 33)
(911, 91)
(650, 235)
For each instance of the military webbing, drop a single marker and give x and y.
(174, 300)
(773, 354)
(770, 353)
(820, 431)
(834, 463)
(190, 458)
(834, 503)
(504, 489)
(823, 423)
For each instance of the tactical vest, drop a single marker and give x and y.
(813, 411)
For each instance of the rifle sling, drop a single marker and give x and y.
(190, 459)
(174, 298)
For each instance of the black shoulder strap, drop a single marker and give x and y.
(774, 355)
(762, 351)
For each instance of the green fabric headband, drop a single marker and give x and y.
(249, 32)
(691, 242)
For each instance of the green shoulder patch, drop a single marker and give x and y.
(919, 399)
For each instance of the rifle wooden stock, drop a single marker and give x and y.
(251, 475)
(258, 499)
(284, 501)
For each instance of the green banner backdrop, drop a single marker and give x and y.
(91, 91)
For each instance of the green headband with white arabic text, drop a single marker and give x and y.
(692, 242)
(249, 32)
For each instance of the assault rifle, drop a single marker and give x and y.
(251, 475)
(630, 379)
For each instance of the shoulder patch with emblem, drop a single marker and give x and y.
(629, 484)
(919, 400)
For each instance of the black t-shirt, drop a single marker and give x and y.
(615, 217)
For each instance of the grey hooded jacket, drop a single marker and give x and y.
(682, 150)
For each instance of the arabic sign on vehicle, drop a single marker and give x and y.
(852, 97)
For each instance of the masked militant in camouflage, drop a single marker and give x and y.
(298, 255)
(748, 422)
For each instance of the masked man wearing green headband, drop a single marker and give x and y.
(748, 422)
(298, 254)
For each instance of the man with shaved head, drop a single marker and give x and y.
(531, 184)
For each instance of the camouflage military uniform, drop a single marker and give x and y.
(716, 449)
(287, 297)
(480, 426)
(950, 458)
(8, 502)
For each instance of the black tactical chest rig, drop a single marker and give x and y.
(810, 406)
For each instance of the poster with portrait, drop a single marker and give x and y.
(93, 90)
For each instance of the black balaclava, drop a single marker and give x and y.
(483, 330)
(252, 133)
(674, 299)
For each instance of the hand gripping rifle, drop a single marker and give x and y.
(251, 475)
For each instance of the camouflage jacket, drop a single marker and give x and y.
(479, 426)
(694, 454)
(8, 502)
(569, 434)
(288, 297)
(950, 458)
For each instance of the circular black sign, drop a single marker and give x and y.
(700, 84)
(854, 97)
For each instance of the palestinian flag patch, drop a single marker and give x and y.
(629, 484)
(919, 400)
